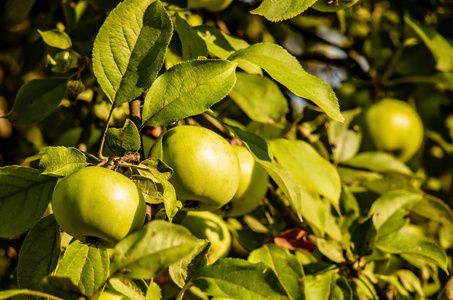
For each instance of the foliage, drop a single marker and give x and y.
(95, 82)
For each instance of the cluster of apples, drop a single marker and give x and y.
(101, 207)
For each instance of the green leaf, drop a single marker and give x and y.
(130, 47)
(286, 69)
(125, 140)
(378, 162)
(16, 11)
(399, 244)
(86, 266)
(301, 159)
(259, 97)
(295, 192)
(36, 100)
(149, 189)
(24, 197)
(345, 142)
(389, 210)
(222, 45)
(333, 6)
(56, 38)
(327, 285)
(187, 89)
(9, 294)
(62, 287)
(126, 288)
(39, 253)
(157, 171)
(154, 292)
(61, 161)
(285, 265)
(181, 271)
(282, 10)
(193, 45)
(440, 47)
(238, 279)
(148, 251)
(331, 249)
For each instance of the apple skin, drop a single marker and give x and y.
(207, 225)
(252, 186)
(395, 127)
(206, 169)
(211, 5)
(98, 206)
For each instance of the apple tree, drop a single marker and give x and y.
(218, 149)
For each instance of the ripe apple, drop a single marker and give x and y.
(252, 186)
(207, 225)
(395, 127)
(98, 206)
(211, 5)
(206, 169)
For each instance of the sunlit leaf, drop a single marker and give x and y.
(282, 10)
(130, 47)
(61, 161)
(86, 266)
(148, 251)
(286, 69)
(238, 279)
(187, 89)
(56, 38)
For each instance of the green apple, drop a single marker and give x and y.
(211, 5)
(206, 169)
(395, 127)
(207, 225)
(252, 186)
(98, 206)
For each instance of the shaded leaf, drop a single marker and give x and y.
(39, 253)
(222, 45)
(282, 10)
(285, 265)
(125, 140)
(193, 45)
(36, 100)
(130, 47)
(24, 197)
(61, 161)
(16, 11)
(286, 69)
(86, 266)
(259, 97)
(126, 288)
(181, 271)
(62, 287)
(344, 141)
(301, 159)
(378, 162)
(440, 47)
(399, 244)
(389, 210)
(238, 279)
(187, 89)
(148, 251)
